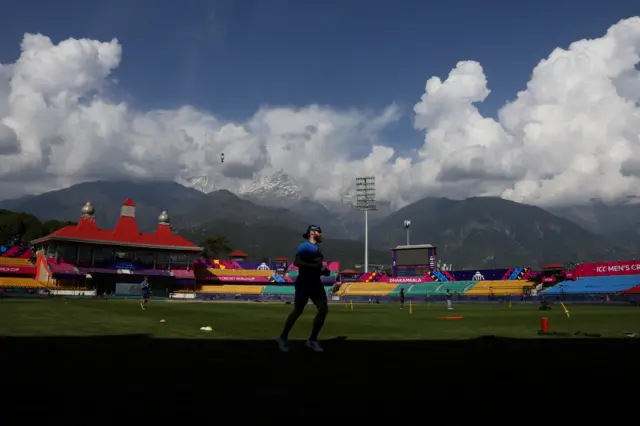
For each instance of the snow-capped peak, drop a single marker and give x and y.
(200, 183)
(278, 186)
(276, 189)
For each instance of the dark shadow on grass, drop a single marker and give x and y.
(365, 374)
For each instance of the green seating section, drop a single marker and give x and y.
(426, 289)
(396, 291)
(455, 286)
(279, 290)
(283, 290)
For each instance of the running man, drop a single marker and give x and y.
(402, 299)
(145, 289)
(308, 285)
(449, 296)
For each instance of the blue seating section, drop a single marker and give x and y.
(594, 285)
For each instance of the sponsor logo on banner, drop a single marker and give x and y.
(406, 280)
(18, 269)
(234, 279)
(618, 268)
(477, 276)
(630, 267)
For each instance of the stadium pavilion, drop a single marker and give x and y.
(85, 255)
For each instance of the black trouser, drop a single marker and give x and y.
(306, 291)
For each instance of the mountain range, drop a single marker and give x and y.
(266, 219)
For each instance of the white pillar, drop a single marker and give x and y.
(366, 240)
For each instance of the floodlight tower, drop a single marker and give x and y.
(407, 225)
(366, 200)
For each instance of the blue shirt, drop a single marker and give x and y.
(144, 286)
(309, 252)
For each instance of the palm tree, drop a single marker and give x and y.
(215, 246)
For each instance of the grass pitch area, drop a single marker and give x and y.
(112, 359)
(250, 320)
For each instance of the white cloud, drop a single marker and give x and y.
(572, 135)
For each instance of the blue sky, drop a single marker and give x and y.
(231, 57)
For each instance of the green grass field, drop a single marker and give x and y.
(75, 317)
(108, 355)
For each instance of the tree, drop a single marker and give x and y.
(20, 228)
(215, 246)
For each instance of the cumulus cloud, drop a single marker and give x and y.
(572, 135)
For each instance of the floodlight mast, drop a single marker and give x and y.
(407, 225)
(366, 200)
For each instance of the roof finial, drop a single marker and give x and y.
(164, 218)
(88, 210)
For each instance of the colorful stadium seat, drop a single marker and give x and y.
(20, 283)
(500, 288)
(279, 290)
(455, 286)
(366, 289)
(240, 273)
(14, 261)
(396, 291)
(425, 289)
(595, 285)
(232, 289)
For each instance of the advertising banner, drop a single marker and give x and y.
(628, 267)
(27, 270)
(233, 279)
(479, 274)
(406, 280)
(183, 273)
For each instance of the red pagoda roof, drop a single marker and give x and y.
(238, 253)
(633, 290)
(553, 266)
(125, 233)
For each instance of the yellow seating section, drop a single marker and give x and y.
(341, 289)
(20, 283)
(366, 289)
(14, 261)
(239, 273)
(232, 289)
(500, 288)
